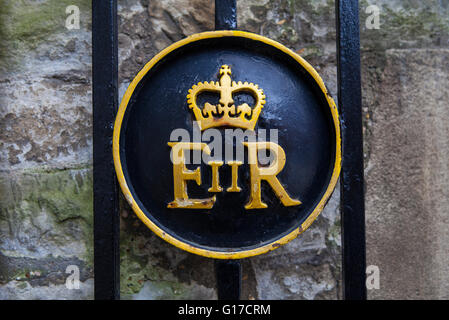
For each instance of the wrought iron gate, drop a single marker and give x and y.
(228, 272)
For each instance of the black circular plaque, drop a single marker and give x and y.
(227, 81)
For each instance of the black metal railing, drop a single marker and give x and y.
(105, 101)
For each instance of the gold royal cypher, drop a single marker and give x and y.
(231, 115)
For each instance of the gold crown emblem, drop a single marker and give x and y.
(226, 113)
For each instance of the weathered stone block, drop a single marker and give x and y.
(45, 225)
(407, 197)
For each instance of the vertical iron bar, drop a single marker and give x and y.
(229, 279)
(227, 272)
(352, 181)
(105, 100)
(225, 14)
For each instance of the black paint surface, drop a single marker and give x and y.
(105, 101)
(229, 278)
(294, 105)
(225, 14)
(352, 181)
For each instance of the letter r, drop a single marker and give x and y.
(268, 174)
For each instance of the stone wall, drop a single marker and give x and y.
(405, 79)
(46, 151)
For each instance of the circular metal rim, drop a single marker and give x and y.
(186, 246)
